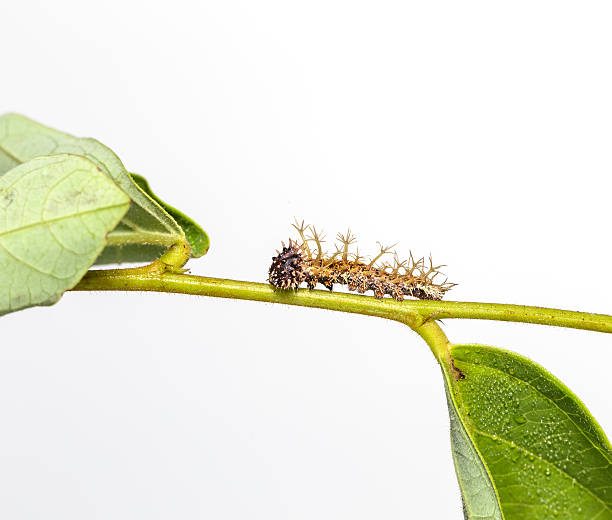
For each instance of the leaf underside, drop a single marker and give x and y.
(55, 213)
(528, 436)
(479, 497)
(145, 232)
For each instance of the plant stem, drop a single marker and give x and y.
(416, 314)
(517, 313)
(139, 280)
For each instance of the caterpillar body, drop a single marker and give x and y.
(304, 261)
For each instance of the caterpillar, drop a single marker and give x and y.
(304, 261)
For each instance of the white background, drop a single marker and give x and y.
(479, 132)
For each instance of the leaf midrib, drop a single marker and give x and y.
(59, 219)
(10, 155)
(547, 462)
(120, 238)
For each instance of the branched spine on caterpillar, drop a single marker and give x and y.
(304, 261)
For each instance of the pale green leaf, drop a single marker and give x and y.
(544, 454)
(55, 213)
(145, 232)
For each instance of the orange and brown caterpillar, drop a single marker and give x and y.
(304, 261)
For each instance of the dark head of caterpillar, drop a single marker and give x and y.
(287, 269)
(304, 261)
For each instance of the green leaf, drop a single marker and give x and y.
(521, 430)
(197, 237)
(55, 213)
(145, 232)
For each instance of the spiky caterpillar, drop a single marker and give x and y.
(298, 263)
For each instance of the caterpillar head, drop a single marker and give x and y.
(287, 269)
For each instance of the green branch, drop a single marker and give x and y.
(414, 313)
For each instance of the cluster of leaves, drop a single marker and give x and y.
(67, 203)
(524, 446)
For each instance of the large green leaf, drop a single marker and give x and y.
(55, 213)
(523, 440)
(145, 232)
